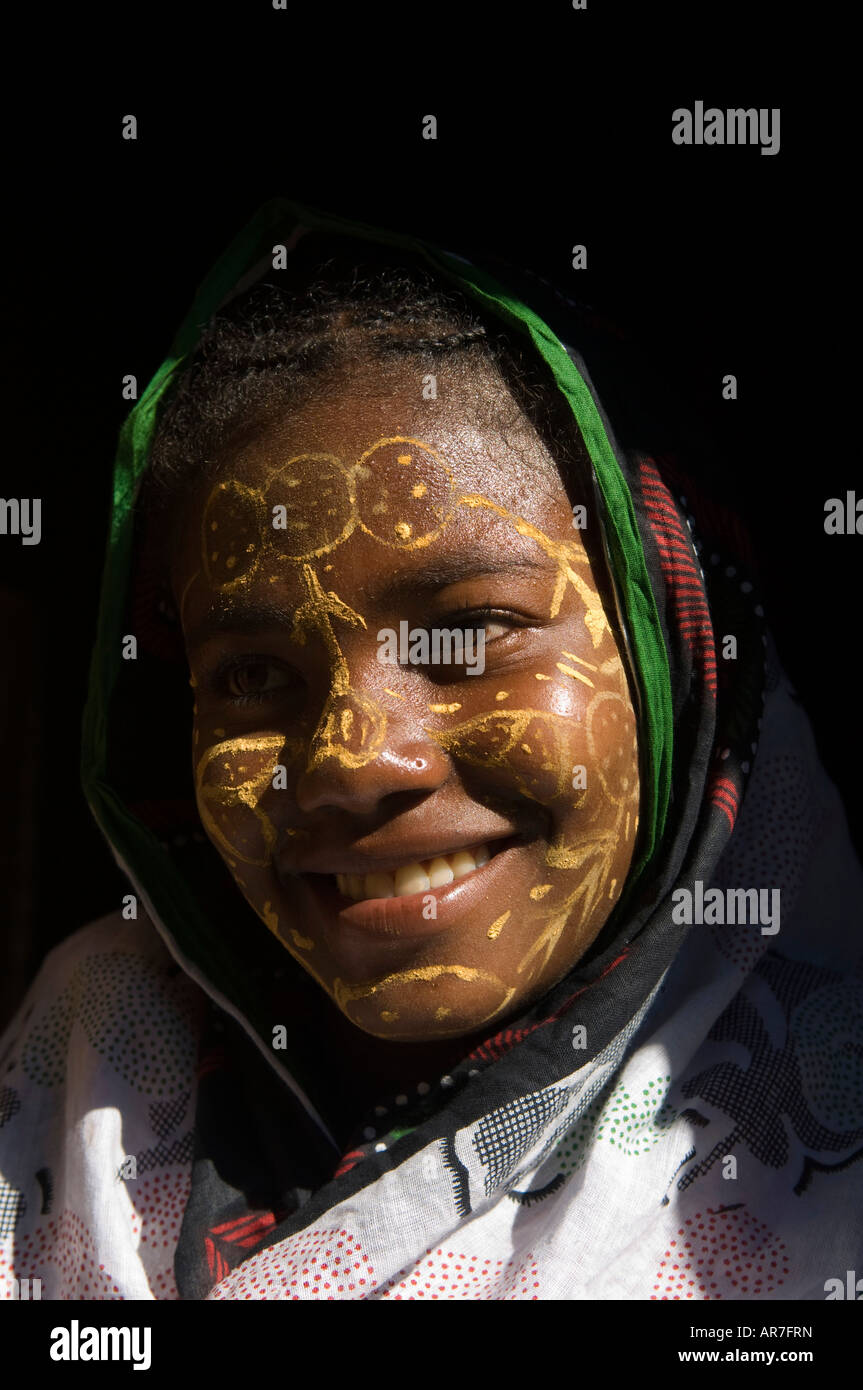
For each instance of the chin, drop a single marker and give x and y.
(451, 1002)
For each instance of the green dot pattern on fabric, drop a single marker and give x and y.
(831, 1067)
(139, 1022)
(631, 1121)
(573, 1149)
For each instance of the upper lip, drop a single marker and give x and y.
(354, 863)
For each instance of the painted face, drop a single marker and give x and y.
(436, 845)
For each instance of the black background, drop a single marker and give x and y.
(554, 127)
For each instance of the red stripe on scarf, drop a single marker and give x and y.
(683, 583)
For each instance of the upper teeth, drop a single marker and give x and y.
(414, 878)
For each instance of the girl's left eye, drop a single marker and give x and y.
(494, 621)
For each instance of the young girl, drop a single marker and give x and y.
(496, 943)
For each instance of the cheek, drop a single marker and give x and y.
(553, 738)
(526, 751)
(236, 782)
(597, 837)
(234, 791)
(612, 745)
(590, 852)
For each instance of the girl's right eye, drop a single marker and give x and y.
(253, 680)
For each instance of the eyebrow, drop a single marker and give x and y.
(248, 617)
(239, 617)
(454, 569)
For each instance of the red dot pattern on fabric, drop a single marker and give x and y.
(449, 1273)
(159, 1202)
(721, 1254)
(318, 1264)
(66, 1244)
(9, 1269)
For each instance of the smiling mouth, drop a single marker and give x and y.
(419, 877)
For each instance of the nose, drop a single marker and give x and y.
(361, 754)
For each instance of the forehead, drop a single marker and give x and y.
(472, 422)
(370, 475)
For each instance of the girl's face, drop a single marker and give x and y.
(436, 844)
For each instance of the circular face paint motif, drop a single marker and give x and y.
(404, 493)
(234, 529)
(311, 506)
(610, 728)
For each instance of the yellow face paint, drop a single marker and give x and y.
(405, 495)
(401, 494)
(497, 740)
(577, 675)
(310, 507)
(565, 554)
(497, 926)
(352, 728)
(347, 996)
(232, 779)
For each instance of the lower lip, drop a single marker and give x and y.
(402, 918)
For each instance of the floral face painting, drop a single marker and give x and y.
(435, 846)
